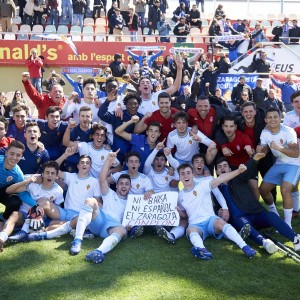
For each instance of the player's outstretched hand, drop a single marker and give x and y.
(242, 168)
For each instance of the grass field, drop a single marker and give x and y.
(146, 268)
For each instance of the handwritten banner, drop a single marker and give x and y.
(160, 209)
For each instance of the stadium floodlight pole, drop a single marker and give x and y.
(284, 249)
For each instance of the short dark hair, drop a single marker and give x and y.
(272, 109)
(16, 144)
(295, 95)
(133, 153)
(20, 107)
(163, 95)
(180, 115)
(132, 96)
(98, 126)
(198, 155)
(52, 110)
(202, 98)
(84, 156)
(85, 108)
(229, 118)
(50, 164)
(89, 80)
(31, 124)
(154, 123)
(5, 122)
(184, 166)
(124, 176)
(249, 103)
(220, 160)
(161, 154)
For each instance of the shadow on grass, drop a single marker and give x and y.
(145, 268)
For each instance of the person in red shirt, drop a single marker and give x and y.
(42, 102)
(4, 141)
(34, 64)
(163, 115)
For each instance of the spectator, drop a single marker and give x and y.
(117, 67)
(202, 4)
(117, 22)
(153, 17)
(28, 12)
(184, 101)
(287, 89)
(271, 101)
(39, 11)
(181, 30)
(195, 20)
(236, 95)
(110, 13)
(34, 65)
(164, 29)
(4, 105)
(294, 32)
(258, 34)
(52, 8)
(132, 67)
(181, 11)
(98, 4)
(7, 12)
(260, 93)
(219, 13)
(140, 9)
(124, 6)
(53, 78)
(285, 31)
(67, 10)
(17, 99)
(214, 29)
(164, 5)
(133, 24)
(4, 141)
(78, 11)
(187, 3)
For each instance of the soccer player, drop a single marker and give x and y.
(89, 93)
(48, 190)
(139, 142)
(245, 209)
(187, 142)
(194, 202)
(96, 150)
(105, 221)
(164, 115)
(78, 133)
(282, 141)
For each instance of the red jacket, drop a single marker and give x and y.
(42, 102)
(34, 67)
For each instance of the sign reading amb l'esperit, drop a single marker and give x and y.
(160, 209)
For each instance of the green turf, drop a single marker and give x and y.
(145, 268)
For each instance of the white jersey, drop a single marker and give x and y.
(161, 180)
(113, 205)
(186, 147)
(149, 105)
(37, 191)
(98, 157)
(73, 108)
(291, 119)
(197, 202)
(79, 189)
(139, 185)
(283, 137)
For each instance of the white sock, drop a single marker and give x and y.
(25, 226)
(3, 236)
(295, 196)
(273, 208)
(84, 219)
(196, 239)
(61, 230)
(233, 235)
(178, 232)
(287, 213)
(109, 243)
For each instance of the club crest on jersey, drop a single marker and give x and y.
(238, 147)
(88, 187)
(102, 157)
(172, 125)
(9, 178)
(194, 193)
(137, 186)
(211, 119)
(166, 178)
(51, 198)
(281, 141)
(38, 160)
(190, 142)
(153, 103)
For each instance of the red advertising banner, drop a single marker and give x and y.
(58, 53)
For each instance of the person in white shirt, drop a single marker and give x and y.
(282, 141)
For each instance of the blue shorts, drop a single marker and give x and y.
(102, 223)
(207, 228)
(282, 172)
(67, 214)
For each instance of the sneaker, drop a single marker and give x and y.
(269, 246)
(37, 236)
(75, 247)
(295, 214)
(136, 231)
(1, 246)
(95, 256)
(248, 251)
(87, 234)
(201, 253)
(297, 242)
(21, 236)
(245, 231)
(165, 234)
